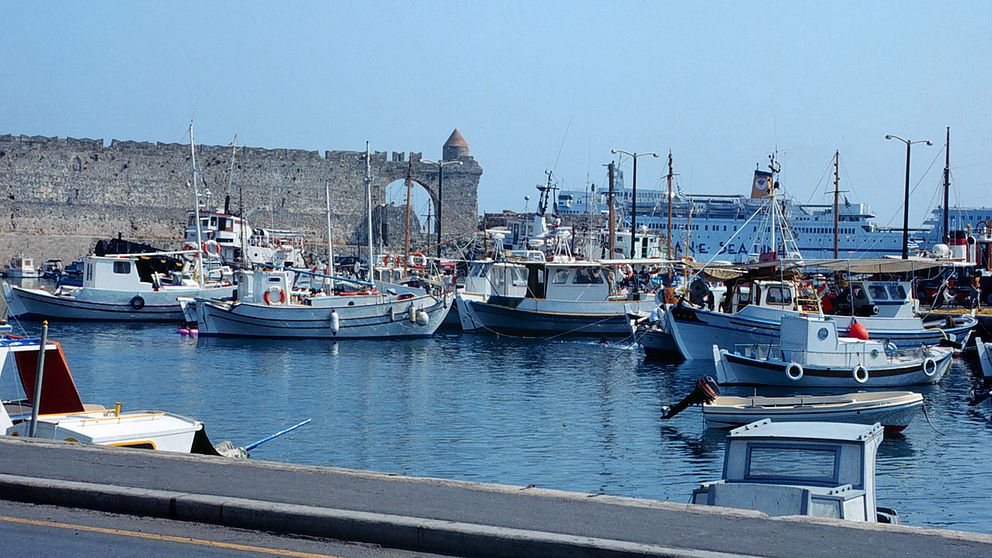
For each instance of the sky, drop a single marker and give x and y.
(533, 86)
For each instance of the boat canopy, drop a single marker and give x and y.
(878, 265)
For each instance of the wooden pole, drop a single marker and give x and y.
(406, 249)
(610, 197)
(947, 184)
(670, 175)
(836, 204)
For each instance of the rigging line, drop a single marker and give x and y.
(562, 146)
(818, 182)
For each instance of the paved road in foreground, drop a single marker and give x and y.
(34, 530)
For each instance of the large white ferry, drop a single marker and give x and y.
(713, 226)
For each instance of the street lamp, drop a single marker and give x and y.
(440, 174)
(633, 195)
(905, 209)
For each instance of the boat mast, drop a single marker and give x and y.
(836, 203)
(196, 208)
(947, 184)
(406, 241)
(368, 202)
(330, 244)
(669, 177)
(610, 196)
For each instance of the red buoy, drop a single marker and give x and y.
(857, 331)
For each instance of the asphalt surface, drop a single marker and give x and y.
(530, 509)
(51, 531)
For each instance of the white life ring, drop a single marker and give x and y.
(418, 260)
(929, 367)
(211, 248)
(790, 371)
(269, 294)
(860, 374)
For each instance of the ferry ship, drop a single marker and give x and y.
(726, 227)
(975, 219)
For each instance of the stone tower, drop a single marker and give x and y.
(456, 147)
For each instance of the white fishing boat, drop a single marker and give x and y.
(488, 278)
(63, 416)
(267, 307)
(810, 353)
(21, 268)
(892, 409)
(753, 312)
(572, 298)
(118, 288)
(984, 357)
(819, 469)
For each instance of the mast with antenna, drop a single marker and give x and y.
(671, 175)
(406, 241)
(368, 205)
(836, 204)
(196, 208)
(947, 184)
(330, 244)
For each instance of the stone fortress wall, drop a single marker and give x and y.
(59, 195)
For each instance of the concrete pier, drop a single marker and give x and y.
(432, 515)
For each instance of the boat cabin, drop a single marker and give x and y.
(264, 286)
(821, 469)
(496, 278)
(575, 281)
(779, 295)
(809, 340)
(885, 299)
(22, 264)
(131, 273)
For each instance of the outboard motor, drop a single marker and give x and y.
(705, 392)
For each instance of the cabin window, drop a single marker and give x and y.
(560, 277)
(779, 295)
(275, 279)
(793, 463)
(897, 292)
(878, 292)
(122, 268)
(192, 220)
(587, 276)
(89, 272)
(519, 277)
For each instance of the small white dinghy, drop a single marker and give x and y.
(811, 354)
(892, 409)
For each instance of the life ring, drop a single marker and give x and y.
(211, 248)
(791, 371)
(418, 260)
(860, 374)
(267, 297)
(137, 303)
(626, 270)
(929, 367)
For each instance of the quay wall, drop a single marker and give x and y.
(59, 195)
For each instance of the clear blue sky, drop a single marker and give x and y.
(720, 84)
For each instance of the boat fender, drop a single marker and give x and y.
(929, 367)
(412, 312)
(860, 374)
(137, 303)
(335, 322)
(422, 318)
(794, 371)
(269, 296)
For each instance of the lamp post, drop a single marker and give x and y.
(633, 194)
(905, 205)
(440, 174)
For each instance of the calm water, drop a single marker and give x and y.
(570, 415)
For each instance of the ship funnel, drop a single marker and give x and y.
(762, 185)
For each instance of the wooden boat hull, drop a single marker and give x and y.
(157, 306)
(551, 317)
(893, 410)
(366, 321)
(737, 369)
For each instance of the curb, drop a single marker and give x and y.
(392, 531)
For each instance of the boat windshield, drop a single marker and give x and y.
(792, 464)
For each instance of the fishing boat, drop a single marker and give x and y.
(21, 268)
(488, 278)
(268, 307)
(984, 357)
(819, 469)
(892, 409)
(560, 298)
(118, 288)
(811, 353)
(52, 269)
(754, 310)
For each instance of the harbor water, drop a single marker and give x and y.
(564, 414)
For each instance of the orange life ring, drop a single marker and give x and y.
(211, 244)
(267, 297)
